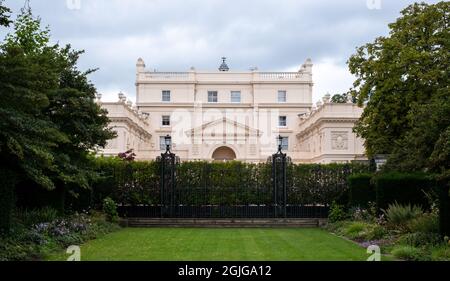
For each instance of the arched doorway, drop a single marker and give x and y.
(223, 153)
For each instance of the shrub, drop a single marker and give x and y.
(426, 223)
(377, 232)
(409, 253)
(12, 249)
(364, 231)
(322, 184)
(32, 217)
(69, 239)
(399, 215)
(336, 227)
(364, 214)
(419, 239)
(361, 191)
(402, 188)
(440, 253)
(110, 209)
(337, 213)
(355, 230)
(33, 243)
(135, 183)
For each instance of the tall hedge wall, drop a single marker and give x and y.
(199, 183)
(361, 190)
(126, 182)
(321, 184)
(402, 188)
(134, 183)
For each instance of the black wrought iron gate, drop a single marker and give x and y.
(168, 164)
(279, 162)
(238, 201)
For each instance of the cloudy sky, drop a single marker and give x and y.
(173, 35)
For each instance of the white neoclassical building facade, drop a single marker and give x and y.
(233, 115)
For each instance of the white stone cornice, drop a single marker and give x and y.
(321, 121)
(130, 123)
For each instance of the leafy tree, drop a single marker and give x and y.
(27, 137)
(338, 98)
(49, 121)
(343, 98)
(4, 15)
(403, 80)
(76, 114)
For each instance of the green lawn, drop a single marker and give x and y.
(199, 244)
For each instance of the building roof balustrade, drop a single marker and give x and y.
(220, 76)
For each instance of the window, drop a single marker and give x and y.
(166, 120)
(285, 143)
(212, 96)
(282, 121)
(281, 96)
(165, 96)
(235, 96)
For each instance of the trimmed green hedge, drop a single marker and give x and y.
(199, 183)
(361, 190)
(321, 184)
(130, 183)
(402, 188)
(134, 183)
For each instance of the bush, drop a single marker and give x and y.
(364, 231)
(361, 214)
(322, 184)
(441, 253)
(420, 239)
(426, 223)
(359, 231)
(403, 189)
(355, 230)
(110, 209)
(377, 232)
(33, 243)
(398, 216)
(409, 253)
(336, 227)
(136, 183)
(337, 213)
(361, 191)
(32, 217)
(13, 250)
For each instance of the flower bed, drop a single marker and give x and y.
(33, 236)
(405, 232)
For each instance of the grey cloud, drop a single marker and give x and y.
(177, 34)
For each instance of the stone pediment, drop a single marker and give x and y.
(223, 127)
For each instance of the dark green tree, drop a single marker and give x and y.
(338, 98)
(4, 15)
(404, 81)
(26, 136)
(49, 121)
(76, 114)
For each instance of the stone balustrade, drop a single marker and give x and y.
(248, 76)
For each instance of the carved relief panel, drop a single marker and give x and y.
(339, 140)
